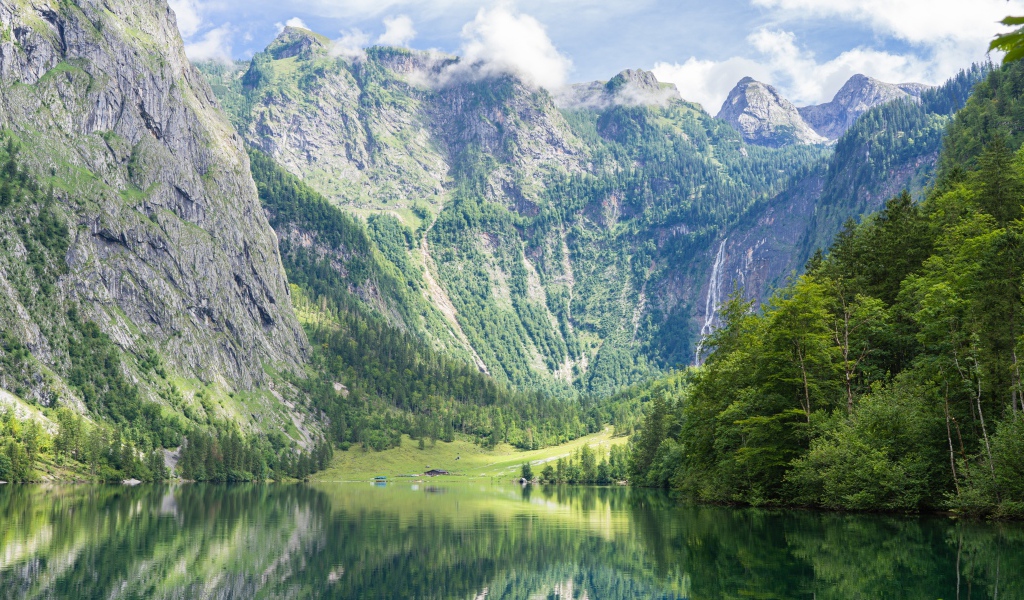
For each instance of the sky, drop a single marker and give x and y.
(806, 48)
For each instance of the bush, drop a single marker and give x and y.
(880, 458)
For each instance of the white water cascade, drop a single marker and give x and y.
(713, 300)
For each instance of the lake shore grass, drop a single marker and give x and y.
(462, 458)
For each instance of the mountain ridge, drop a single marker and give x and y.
(148, 291)
(764, 117)
(537, 219)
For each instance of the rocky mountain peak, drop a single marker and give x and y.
(632, 87)
(296, 41)
(764, 117)
(638, 79)
(858, 95)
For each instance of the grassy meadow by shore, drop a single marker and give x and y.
(461, 458)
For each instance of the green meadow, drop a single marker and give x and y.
(461, 458)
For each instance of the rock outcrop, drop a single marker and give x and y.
(764, 117)
(169, 248)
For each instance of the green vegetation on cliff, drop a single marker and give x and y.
(566, 248)
(373, 379)
(891, 147)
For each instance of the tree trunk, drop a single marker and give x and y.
(1017, 395)
(807, 388)
(949, 438)
(984, 430)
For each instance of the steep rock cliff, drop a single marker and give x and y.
(168, 248)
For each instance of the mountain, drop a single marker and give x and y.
(558, 248)
(629, 88)
(369, 246)
(892, 147)
(157, 305)
(858, 95)
(764, 117)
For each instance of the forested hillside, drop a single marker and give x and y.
(372, 378)
(887, 376)
(564, 248)
(890, 148)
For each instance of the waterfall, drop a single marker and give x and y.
(713, 300)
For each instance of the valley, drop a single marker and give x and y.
(342, 317)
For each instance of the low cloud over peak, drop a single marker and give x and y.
(500, 41)
(398, 31)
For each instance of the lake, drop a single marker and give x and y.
(476, 541)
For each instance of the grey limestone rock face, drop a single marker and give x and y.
(169, 244)
(295, 41)
(764, 117)
(856, 97)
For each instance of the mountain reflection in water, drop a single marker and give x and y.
(476, 541)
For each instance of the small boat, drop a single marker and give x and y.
(380, 480)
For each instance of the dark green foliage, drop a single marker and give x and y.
(108, 453)
(645, 444)
(992, 112)
(19, 448)
(1012, 43)
(40, 232)
(98, 376)
(1000, 189)
(887, 378)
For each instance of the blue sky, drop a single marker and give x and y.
(807, 48)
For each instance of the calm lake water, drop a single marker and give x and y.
(476, 541)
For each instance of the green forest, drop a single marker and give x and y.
(886, 377)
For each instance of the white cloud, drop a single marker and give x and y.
(215, 44)
(794, 70)
(361, 9)
(398, 31)
(351, 45)
(292, 22)
(924, 22)
(187, 13)
(946, 34)
(500, 41)
(708, 82)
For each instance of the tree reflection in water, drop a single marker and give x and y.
(402, 541)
